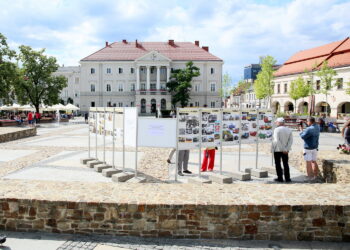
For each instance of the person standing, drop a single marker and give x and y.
(281, 145)
(311, 137)
(345, 132)
(208, 159)
(30, 119)
(182, 164)
(37, 117)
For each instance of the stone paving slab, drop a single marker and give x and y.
(154, 193)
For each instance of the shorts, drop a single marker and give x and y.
(31, 121)
(310, 154)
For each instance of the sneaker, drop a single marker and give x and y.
(169, 161)
(187, 172)
(278, 180)
(181, 174)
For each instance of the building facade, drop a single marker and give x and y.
(337, 102)
(134, 74)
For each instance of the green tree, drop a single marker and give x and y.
(7, 70)
(180, 84)
(326, 75)
(298, 89)
(225, 86)
(35, 83)
(263, 85)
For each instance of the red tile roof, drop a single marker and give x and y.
(336, 53)
(180, 51)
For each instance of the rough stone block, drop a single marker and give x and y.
(137, 180)
(85, 160)
(100, 167)
(241, 176)
(257, 172)
(217, 178)
(271, 170)
(122, 177)
(108, 172)
(198, 180)
(91, 164)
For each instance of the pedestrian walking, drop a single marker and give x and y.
(281, 145)
(86, 117)
(345, 132)
(208, 159)
(182, 164)
(311, 137)
(30, 119)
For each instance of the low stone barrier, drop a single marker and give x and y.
(219, 216)
(11, 134)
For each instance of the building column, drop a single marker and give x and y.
(167, 74)
(137, 78)
(148, 78)
(158, 77)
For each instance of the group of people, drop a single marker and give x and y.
(33, 118)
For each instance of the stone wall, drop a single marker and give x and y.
(242, 222)
(11, 134)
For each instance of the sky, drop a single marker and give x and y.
(237, 31)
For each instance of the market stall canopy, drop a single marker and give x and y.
(71, 107)
(14, 106)
(58, 107)
(26, 107)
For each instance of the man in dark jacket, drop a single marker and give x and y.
(311, 137)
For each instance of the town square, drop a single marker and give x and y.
(188, 125)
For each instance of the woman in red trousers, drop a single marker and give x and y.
(209, 157)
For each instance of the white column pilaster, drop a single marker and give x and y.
(158, 77)
(167, 74)
(148, 78)
(137, 78)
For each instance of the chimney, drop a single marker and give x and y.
(124, 41)
(106, 44)
(206, 48)
(136, 44)
(196, 43)
(171, 42)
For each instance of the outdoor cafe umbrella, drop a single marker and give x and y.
(71, 107)
(26, 108)
(58, 107)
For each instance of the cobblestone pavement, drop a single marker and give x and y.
(47, 241)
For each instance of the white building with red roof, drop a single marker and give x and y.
(126, 74)
(337, 54)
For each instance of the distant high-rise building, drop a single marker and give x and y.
(251, 71)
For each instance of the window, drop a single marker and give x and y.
(285, 88)
(75, 94)
(92, 87)
(92, 70)
(120, 104)
(152, 70)
(278, 88)
(143, 86)
(92, 104)
(109, 70)
(212, 71)
(77, 80)
(162, 71)
(339, 83)
(132, 104)
(318, 85)
(120, 70)
(212, 87)
(196, 104)
(212, 104)
(132, 70)
(108, 88)
(196, 88)
(109, 104)
(120, 87)
(132, 87)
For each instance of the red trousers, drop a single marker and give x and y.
(208, 153)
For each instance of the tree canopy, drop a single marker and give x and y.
(298, 89)
(180, 84)
(36, 84)
(263, 86)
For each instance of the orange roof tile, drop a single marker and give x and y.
(180, 51)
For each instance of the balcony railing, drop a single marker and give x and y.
(152, 92)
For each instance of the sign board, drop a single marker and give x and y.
(265, 118)
(188, 128)
(211, 127)
(230, 126)
(157, 132)
(130, 125)
(249, 126)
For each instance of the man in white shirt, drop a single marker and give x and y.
(281, 145)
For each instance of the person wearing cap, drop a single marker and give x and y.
(281, 145)
(311, 137)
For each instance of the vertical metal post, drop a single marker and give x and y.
(96, 135)
(200, 141)
(221, 118)
(113, 160)
(104, 135)
(177, 144)
(123, 139)
(257, 139)
(89, 141)
(240, 134)
(137, 135)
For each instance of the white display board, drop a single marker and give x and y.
(189, 131)
(265, 125)
(249, 126)
(157, 132)
(230, 126)
(130, 125)
(211, 127)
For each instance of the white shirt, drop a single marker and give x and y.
(282, 139)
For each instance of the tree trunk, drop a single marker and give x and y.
(37, 108)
